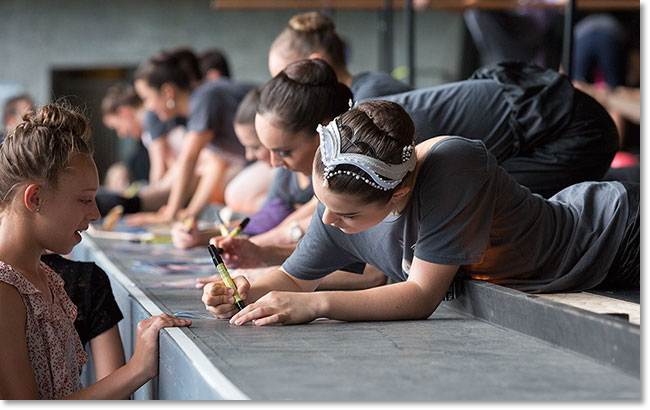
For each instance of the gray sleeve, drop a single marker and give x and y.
(205, 111)
(279, 186)
(376, 84)
(455, 227)
(320, 252)
(154, 126)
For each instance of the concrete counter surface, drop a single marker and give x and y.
(450, 356)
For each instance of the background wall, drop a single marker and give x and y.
(40, 38)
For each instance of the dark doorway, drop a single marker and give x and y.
(84, 89)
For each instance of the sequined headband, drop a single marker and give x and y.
(383, 176)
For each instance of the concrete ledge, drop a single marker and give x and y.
(605, 338)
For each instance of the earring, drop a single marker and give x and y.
(170, 103)
(38, 209)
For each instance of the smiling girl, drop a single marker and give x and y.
(48, 181)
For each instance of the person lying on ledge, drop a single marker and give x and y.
(423, 215)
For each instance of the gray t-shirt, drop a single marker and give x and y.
(212, 107)
(368, 85)
(494, 228)
(474, 109)
(512, 107)
(285, 187)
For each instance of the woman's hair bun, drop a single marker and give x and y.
(312, 21)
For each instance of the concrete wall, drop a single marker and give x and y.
(37, 36)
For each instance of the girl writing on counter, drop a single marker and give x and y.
(48, 181)
(424, 214)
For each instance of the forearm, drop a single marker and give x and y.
(120, 383)
(193, 144)
(212, 177)
(626, 102)
(178, 194)
(280, 281)
(108, 352)
(281, 234)
(157, 171)
(158, 166)
(205, 235)
(341, 280)
(398, 301)
(304, 212)
(276, 254)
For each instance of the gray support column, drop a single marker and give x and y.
(567, 46)
(385, 32)
(410, 41)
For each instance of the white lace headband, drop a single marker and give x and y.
(330, 150)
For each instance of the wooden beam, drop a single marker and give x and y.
(433, 4)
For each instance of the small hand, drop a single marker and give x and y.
(201, 282)
(219, 300)
(239, 252)
(287, 308)
(183, 236)
(145, 355)
(184, 214)
(150, 218)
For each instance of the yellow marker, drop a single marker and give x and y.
(188, 222)
(225, 276)
(223, 229)
(112, 217)
(235, 232)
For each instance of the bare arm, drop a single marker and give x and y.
(158, 151)
(280, 235)
(108, 352)
(212, 175)
(16, 375)
(243, 253)
(17, 379)
(341, 280)
(416, 298)
(218, 298)
(192, 146)
(624, 100)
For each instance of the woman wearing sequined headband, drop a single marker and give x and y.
(456, 213)
(543, 131)
(292, 104)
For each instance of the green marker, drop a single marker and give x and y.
(225, 276)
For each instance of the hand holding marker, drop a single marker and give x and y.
(235, 232)
(189, 223)
(222, 226)
(225, 276)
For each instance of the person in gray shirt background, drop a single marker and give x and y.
(165, 88)
(424, 215)
(543, 131)
(312, 35)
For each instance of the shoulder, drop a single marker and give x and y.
(450, 149)
(453, 160)
(205, 90)
(376, 84)
(283, 175)
(12, 307)
(151, 119)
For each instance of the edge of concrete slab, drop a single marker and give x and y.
(605, 338)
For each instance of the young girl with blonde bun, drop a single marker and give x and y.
(48, 181)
